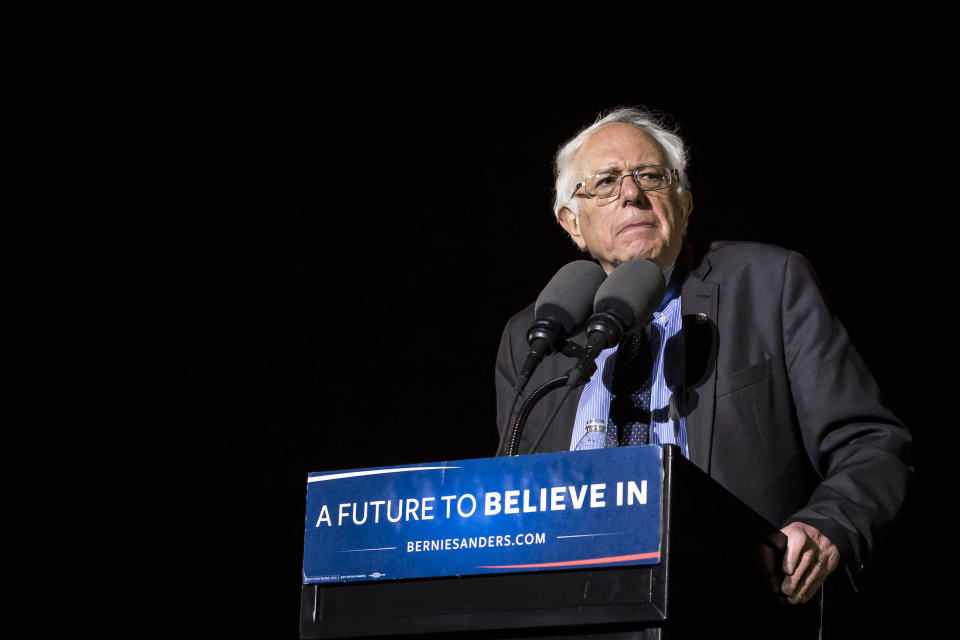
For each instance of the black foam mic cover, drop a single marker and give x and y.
(624, 302)
(561, 309)
(568, 297)
(632, 293)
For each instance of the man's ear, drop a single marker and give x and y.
(570, 221)
(686, 204)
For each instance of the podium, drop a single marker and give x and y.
(718, 576)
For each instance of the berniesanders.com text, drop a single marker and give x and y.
(474, 542)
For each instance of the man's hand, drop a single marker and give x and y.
(809, 559)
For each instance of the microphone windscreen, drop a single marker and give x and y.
(632, 292)
(568, 297)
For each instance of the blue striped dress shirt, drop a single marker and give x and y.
(595, 400)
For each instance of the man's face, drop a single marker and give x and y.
(636, 224)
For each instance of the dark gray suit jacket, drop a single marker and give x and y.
(780, 409)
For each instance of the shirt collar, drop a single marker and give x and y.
(673, 286)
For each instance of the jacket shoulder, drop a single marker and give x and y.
(730, 252)
(523, 318)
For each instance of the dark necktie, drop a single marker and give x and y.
(630, 384)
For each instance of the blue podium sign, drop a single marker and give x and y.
(491, 515)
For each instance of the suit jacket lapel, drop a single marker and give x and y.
(698, 305)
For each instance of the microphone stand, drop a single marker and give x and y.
(516, 431)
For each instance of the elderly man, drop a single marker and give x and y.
(747, 370)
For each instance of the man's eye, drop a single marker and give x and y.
(654, 176)
(606, 180)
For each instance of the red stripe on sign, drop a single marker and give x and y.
(575, 563)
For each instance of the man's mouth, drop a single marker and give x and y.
(638, 224)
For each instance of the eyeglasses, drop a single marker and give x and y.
(607, 185)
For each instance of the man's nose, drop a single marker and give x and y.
(630, 191)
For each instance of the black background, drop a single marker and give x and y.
(333, 260)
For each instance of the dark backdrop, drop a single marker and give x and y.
(333, 263)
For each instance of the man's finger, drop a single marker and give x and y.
(792, 582)
(811, 582)
(796, 544)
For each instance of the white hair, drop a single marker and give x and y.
(673, 146)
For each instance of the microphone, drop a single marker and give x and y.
(624, 303)
(561, 309)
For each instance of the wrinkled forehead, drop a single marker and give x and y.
(619, 147)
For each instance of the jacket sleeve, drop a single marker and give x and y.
(505, 376)
(858, 447)
(512, 352)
